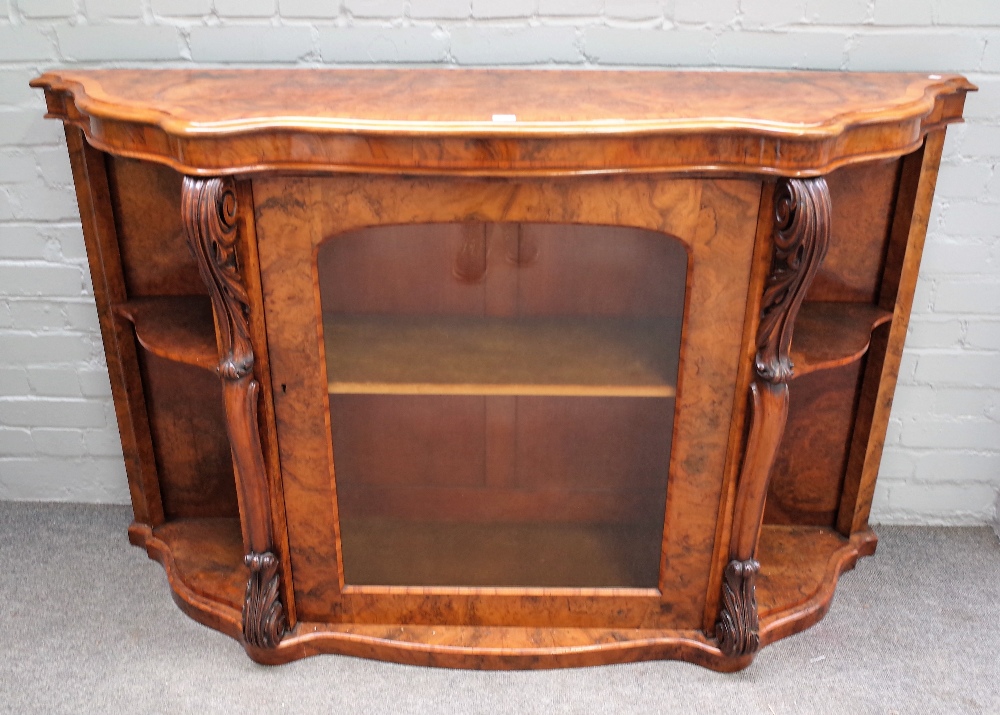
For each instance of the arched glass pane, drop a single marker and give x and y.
(501, 401)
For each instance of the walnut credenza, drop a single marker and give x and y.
(503, 369)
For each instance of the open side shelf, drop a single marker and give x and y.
(178, 328)
(457, 355)
(208, 556)
(828, 334)
(378, 354)
(800, 567)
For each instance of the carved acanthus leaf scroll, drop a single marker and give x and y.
(209, 211)
(210, 222)
(263, 614)
(737, 626)
(801, 236)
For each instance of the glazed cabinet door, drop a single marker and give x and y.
(505, 402)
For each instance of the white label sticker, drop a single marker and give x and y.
(504, 117)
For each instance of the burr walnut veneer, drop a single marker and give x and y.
(503, 369)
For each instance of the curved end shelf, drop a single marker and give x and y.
(829, 335)
(203, 559)
(178, 328)
(800, 569)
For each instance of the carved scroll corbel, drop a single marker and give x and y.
(801, 237)
(208, 209)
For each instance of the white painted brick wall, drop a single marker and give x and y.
(58, 438)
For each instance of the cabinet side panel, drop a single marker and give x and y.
(189, 438)
(93, 197)
(909, 228)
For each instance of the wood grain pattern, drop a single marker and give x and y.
(146, 203)
(809, 469)
(796, 595)
(213, 122)
(202, 562)
(208, 556)
(738, 427)
(188, 426)
(247, 259)
(863, 199)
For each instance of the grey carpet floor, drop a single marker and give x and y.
(87, 626)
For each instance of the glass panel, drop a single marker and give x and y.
(501, 401)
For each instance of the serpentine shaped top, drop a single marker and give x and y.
(503, 122)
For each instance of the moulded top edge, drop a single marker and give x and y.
(502, 103)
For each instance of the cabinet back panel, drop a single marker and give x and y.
(146, 199)
(503, 269)
(464, 458)
(863, 198)
(188, 427)
(809, 471)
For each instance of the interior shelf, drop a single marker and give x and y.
(446, 355)
(829, 335)
(457, 355)
(178, 328)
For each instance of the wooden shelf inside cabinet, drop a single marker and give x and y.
(455, 355)
(829, 334)
(178, 328)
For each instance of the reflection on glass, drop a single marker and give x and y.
(501, 400)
